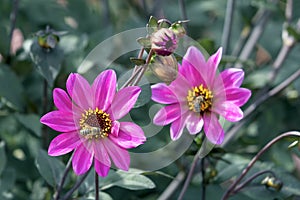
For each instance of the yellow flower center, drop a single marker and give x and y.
(199, 99)
(95, 124)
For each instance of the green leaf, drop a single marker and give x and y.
(47, 61)
(14, 93)
(137, 61)
(152, 25)
(8, 179)
(145, 42)
(292, 31)
(2, 156)
(152, 22)
(163, 23)
(39, 190)
(102, 196)
(31, 122)
(50, 168)
(144, 97)
(127, 180)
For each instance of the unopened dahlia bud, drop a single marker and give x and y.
(164, 67)
(164, 42)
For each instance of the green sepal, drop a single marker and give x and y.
(145, 42)
(137, 61)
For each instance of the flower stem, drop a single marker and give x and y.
(75, 187)
(203, 181)
(172, 186)
(254, 176)
(96, 186)
(231, 189)
(136, 70)
(133, 76)
(61, 184)
(190, 174)
(144, 68)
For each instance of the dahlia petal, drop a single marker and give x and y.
(63, 103)
(100, 153)
(190, 68)
(177, 127)
(101, 169)
(194, 123)
(115, 128)
(161, 93)
(104, 88)
(123, 102)
(232, 77)
(62, 100)
(82, 158)
(238, 96)
(212, 65)
(119, 155)
(167, 115)
(64, 143)
(229, 111)
(180, 87)
(194, 57)
(80, 91)
(212, 128)
(130, 135)
(59, 121)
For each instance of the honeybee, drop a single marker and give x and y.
(197, 101)
(90, 131)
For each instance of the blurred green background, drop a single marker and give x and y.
(87, 23)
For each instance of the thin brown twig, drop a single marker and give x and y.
(62, 182)
(190, 174)
(227, 25)
(250, 179)
(144, 68)
(136, 70)
(254, 159)
(203, 179)
(254, 37)
(265, 92)
(172, 186)
(75, 187)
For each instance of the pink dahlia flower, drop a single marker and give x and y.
(198, 96)
(88, 117)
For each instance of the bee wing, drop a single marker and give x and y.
(51, 41)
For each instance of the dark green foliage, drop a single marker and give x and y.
(28, 172)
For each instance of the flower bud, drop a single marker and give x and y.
(164, 42)
(272, 182)
(164, 67)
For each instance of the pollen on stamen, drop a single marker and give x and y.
(199, 99)
(95, 124)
